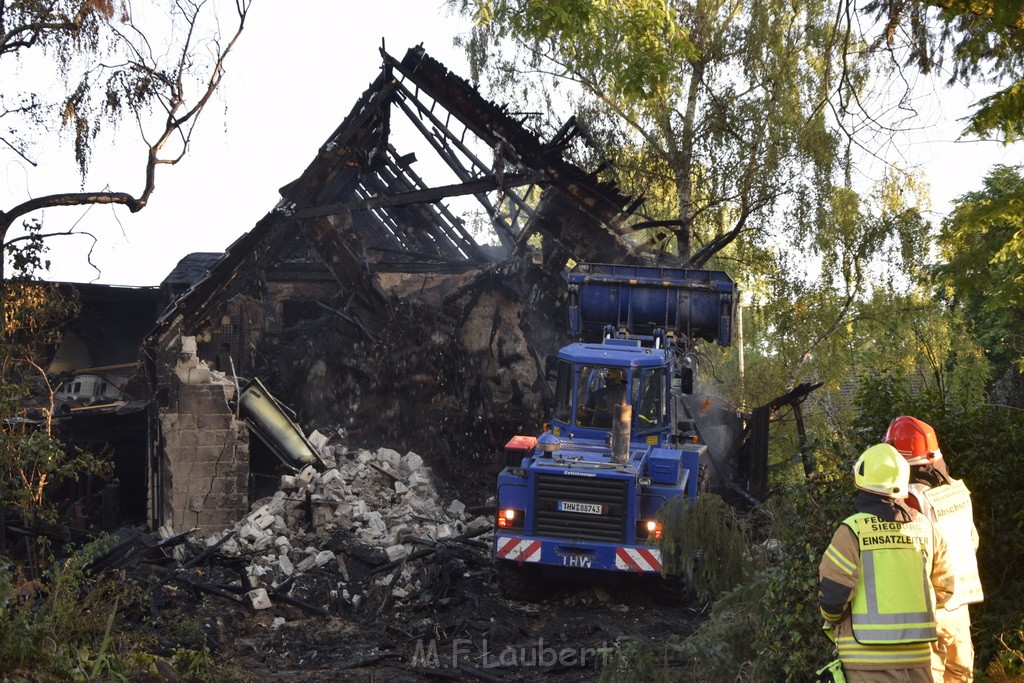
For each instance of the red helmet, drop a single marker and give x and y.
(914, 439)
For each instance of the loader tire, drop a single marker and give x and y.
(671, 591)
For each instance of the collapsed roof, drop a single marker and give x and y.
(364, 209)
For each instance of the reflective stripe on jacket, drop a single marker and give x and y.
(893, 602)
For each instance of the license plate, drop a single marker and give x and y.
(573, 506)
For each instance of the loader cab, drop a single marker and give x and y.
(592, 378)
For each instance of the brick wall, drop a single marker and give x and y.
(204, 449)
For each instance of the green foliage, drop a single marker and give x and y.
(631, 660)
(44, 623)
(981, 39)
(67, 625)
(715, 107)
(31, 457)
(723, 650)
(704, 542)
(789, 642)
(982, 274)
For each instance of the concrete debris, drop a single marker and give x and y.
(259, 598)
(386, 502)
(317, 440)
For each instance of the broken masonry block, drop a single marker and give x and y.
(331, 475)
(323, 557)
(307, 475)
(258, 511)
(263, 521)
(288, 482)
(322, 515)
(255, 570)
(396, 552)
(306, 563)
(250, 532)
(369, 536)
(317, 440)
(400, 488)
(375, 521)
(285, 565)
(259, 598)
(418, 479)
(411, 462)
(364, 457)
(391, 457)
(263, 542)
(457, 507)
(188, 346)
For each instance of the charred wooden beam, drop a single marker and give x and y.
(494, 126)
(420, 196)
(445, 151)
(456, 224)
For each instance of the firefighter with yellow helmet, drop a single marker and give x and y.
(947, 504)
(882, 577)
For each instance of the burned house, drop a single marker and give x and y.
(381, 308)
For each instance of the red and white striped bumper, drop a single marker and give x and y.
(509, 548)
(578, 555)
(638, 559)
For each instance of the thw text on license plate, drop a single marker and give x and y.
(573, 506)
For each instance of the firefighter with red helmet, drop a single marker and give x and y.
(882, 577)
(947, 503)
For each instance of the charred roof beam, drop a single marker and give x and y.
(388, 227)
(415, 220)
(438, 223)
(433, 194)
(454, 221)
(440, 139)
(495, 126)
(447, 144)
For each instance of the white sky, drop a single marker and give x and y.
(296, 73)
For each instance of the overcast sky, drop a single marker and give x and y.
(297, 72)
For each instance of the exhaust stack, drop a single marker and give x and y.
(623, 417)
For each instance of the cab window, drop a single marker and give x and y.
(563, 392)
(648, 393)
(598, 390)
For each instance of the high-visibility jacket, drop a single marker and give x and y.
(893, 600)
(891, 573)
(949, 508)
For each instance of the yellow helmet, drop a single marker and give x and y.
(881, 469)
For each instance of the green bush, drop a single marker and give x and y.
(68, 625)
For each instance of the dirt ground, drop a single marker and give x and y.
(459, 628)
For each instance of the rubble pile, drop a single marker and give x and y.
(378, 508)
